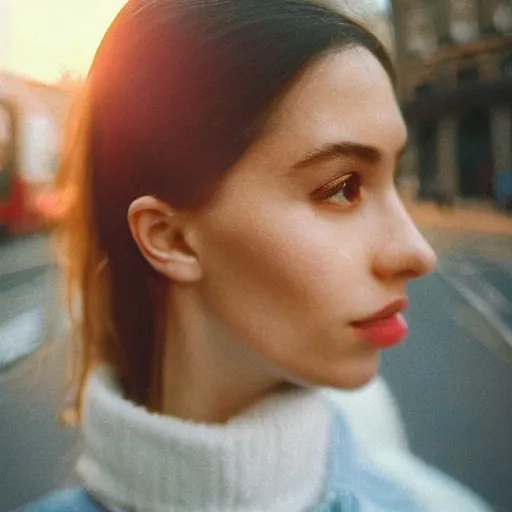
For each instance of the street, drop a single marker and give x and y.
(452, 378)
(36, 454)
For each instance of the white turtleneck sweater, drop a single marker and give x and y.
(151, 463)
(275, 457)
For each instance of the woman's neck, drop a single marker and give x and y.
(207, 376)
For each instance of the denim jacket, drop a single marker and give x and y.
(353, 485)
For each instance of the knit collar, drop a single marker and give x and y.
(273, 457)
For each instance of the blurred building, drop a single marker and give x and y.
(455, 65)
(375, 14)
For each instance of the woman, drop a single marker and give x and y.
(236, 242)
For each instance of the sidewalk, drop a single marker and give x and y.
(470, 227)
(478, 218)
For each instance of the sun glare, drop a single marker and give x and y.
(52, 37)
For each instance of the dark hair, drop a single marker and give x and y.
(178, 91)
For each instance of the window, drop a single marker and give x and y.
(464, 22)
(420, 31)
(502, 16)
(423, 90)
(6, 150)
(506, 68)
(467, 76)
(6, 137)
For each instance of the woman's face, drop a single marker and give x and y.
(308, 235)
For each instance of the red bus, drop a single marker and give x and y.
(29, 149)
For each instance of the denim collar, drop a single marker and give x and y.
(355, 484)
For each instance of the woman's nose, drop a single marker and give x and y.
(402, 251)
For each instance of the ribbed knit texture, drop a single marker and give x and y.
(273, 457)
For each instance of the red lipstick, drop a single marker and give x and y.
(385, 328)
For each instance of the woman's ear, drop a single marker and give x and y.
(161, 234)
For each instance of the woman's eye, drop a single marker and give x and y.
(345, 190)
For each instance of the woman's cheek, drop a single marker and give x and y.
(286, 244)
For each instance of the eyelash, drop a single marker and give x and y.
(327, 192)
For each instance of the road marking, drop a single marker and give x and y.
(21, 335)
(492, 305)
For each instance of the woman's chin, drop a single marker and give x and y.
(352, 381)
(345, 376)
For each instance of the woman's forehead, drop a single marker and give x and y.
(346, 95)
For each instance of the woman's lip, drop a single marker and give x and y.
(384, 333)
(385, 328)
(387, 312)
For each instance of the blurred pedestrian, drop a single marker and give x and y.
(234, 243)
(503, 190)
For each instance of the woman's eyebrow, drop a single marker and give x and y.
(369, 154)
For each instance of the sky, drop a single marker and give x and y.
(42, 39)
